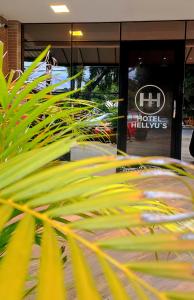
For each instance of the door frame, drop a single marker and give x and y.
(178, 86)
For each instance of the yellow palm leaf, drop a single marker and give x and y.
(116, 287)
(84, 282)
(14, 266)
(51, 279)
(5, 212)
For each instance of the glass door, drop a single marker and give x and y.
(151, 85)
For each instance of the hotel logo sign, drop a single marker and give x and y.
(150, 99)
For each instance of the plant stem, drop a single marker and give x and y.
(93, 247)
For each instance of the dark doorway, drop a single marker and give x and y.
(151, 74)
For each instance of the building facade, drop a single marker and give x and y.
(149, 65)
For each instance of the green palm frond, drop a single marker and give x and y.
(54, 211)
(29, 119)
(73, 192)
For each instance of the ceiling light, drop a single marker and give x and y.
(76, 33)
(59, 8)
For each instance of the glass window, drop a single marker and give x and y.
(59, 73)
(97, 52)
(96, 32)
(37, 37)
(86, 53)
(190, 30)
(150, 98)
(96, 49)
(171, 30)
(47, 32)
(93, 49)
(188, 104)
(57, 63)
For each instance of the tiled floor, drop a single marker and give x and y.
(163, 184)
(159, 283)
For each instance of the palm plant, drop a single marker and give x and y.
(33, 119)
(61, 207)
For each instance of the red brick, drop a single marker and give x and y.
(11, 37)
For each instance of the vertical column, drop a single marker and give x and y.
(14, 45)
(4, 39)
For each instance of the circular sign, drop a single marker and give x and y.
(150, 99)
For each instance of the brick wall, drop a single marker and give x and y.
(11, 37)
(14, 45)
(4, 39)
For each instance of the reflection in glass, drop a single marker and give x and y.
(97, 31)
(188, 104)
(55, 63)
(158, 30)
(150, 97)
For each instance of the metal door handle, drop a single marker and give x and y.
(174, 110)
